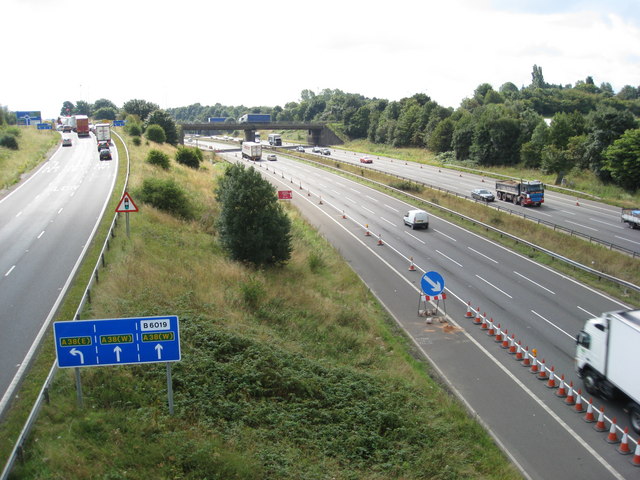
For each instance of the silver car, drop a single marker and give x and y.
(482, 194)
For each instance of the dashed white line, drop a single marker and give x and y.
(350, 199)
(388, 221)
(449, 258)
(370, 211)
(18, 214)
(553, 324)
(391, 208)
(354, 190)
(482, 255)
(445, 235)
(413, 236)
(9, 271)
(582, 225)
(591, 315)
(491, 284)
(535, 283)
(373, 199)
(622, 238)
(41, 233)
(60, 211)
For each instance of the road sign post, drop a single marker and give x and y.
(126, 205)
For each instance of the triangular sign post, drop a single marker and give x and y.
(126, 205)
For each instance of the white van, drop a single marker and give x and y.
(416, 219)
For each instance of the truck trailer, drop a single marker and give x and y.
(255, 118)
(606, 355)
(251, 151)
(103, 133)
(631, 216)
(275, 139)
(521, 192)
(82, 125)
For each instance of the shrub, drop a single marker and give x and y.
(155, 133)
(191, 157)
(166, 195)
(9, 141)
(156, 157)
(134, 129)
(15, 131)
(136, 141)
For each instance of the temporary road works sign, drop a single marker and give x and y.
(285, 194)
(119, 341)
(432, 283)
(126, 204)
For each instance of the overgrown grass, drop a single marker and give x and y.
(33, 146)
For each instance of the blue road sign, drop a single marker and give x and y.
(120, 341)
(118, 123)
(44, 126)
(432, 283)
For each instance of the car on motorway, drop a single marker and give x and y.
(482, 194)
(272, 157)
(366, 160)
(66, 142)
(105, 154)
(66, 128)
(416, 219)
(103, 146)
(316, 149)
(300, 148)
(326, 151)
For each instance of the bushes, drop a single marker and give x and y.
(191, 157)
(9, 141)
(156, 157)
(166, 195)
(155, 133)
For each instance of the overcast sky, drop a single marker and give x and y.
(266, 52)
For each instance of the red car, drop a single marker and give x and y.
(366, 160)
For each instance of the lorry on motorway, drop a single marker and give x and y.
(217, 119)
(275, 139)
(103, 133)
(631, 216)
(82, 125)
(255, 118)
(251, 151)
(606, 355)
(530, 192)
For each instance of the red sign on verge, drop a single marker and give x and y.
(285, 194)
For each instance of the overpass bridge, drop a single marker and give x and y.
(318, 133)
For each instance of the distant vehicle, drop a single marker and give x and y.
(300, 148)
(103, 146)
(105, 154)
(316, 149)
(326, 151)
(216, 119)
(66, 128)
(251, 151)
(521, 193)
(631, 216)
(255, 118)
(82, 125)
(275, 139)
(66, 142)
(257, 137)
(272, 157)
(366, 160)
(482, 194)
(103, 133)
(416, 219)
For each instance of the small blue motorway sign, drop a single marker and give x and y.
(44, 126)
(432, 283)
(119, 341)
(118, 123)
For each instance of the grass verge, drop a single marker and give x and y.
(34, 145)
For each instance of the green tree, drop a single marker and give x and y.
(166, 195)
(68, 109)
(189, 156)
(622, 160)
(168, 124)
(155, 133)
(156, 157)
(104, 103)
(83, 108)
(441, 138)
(105, 113)
(141, 108)
(253, 226)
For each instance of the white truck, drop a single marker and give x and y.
(103, 133)
(606, 358)
(631, 216)
(252, 151)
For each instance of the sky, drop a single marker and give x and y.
(265, 53)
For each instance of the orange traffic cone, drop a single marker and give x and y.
(343, 214)
(367, 233)
(578, 408)
(526, 359)
(635, 461)
(623, 449)
(513, 347)
(612, 437)
(469, 314)
(571, 398)
(534, 366)
(542, 373)
(485, 323)
(320, 202)
(552, 378)
(589, 417)
(498, 338)
(519, 356)
(380, 240)
(505, 341)
(478, 320)
(599, 426)
(562, 390)
(412, 267)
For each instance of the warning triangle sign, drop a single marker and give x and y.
(126, 204)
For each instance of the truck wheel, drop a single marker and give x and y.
(634, 417)
(515, 200)
(590, 381)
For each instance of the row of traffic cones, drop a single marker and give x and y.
(566, 392)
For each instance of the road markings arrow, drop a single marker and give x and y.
(75, 352)
(158, 348)
(117, 350)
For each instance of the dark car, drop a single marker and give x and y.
(103, 145)
(105, 154)
(482, 194)
(66, 128)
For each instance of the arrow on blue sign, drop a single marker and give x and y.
(432, 283)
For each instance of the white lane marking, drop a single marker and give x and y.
(608, 224)
(591, 315)
(482, 254)
(622, 238)
(60, 211)
(413, 236)
(445, 235)
(388, 221)
(567, 211)
(391, 208)
(41, 233)
(9, 271)
(535, 283)
(18, 214)
(354, 190)
(449, 258)
(370, 211)
(491, 284)
(350, 199)
(582, 225)
(553, 324)
(373, 199)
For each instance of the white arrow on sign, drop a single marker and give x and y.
(75, 352)
(158, 348)
(435, 286)
(117, 350)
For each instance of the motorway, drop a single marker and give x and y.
(541, 308)
(46, 224)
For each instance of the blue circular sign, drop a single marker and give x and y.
(432, 283)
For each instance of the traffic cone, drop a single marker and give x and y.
(512, 345)
(577, 203)
(320, 202)
(612, 437)
(542, 372)
(478, 320)
(578, 408)
(498, 338)
(380, 240)
(552, 379)
(571, 398)
(588, 417)
(505, 341)
(367, 233)
(526, 359)
(485, 323)
(412, 267)
(519, 356)
(343, 214)
(562, 390)
(599, 426)
(469, 313)
(623, 449)
(534, 366)
(635, 461)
